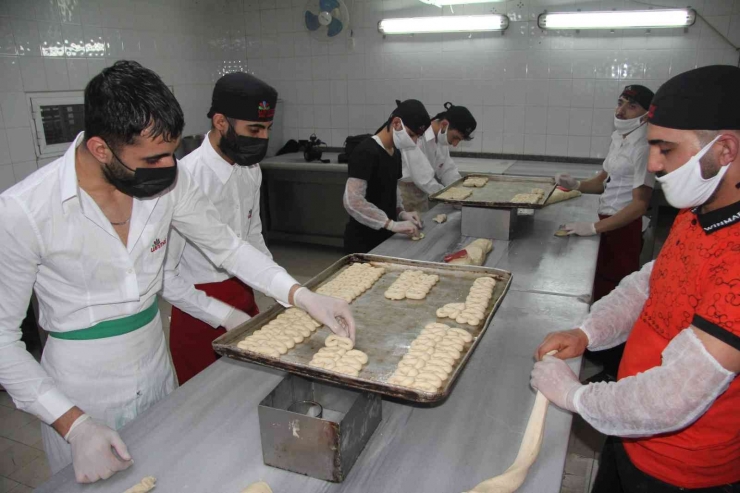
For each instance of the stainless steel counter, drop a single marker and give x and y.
(204, 437)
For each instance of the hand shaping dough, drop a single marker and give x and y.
(455, 193)
(514, 476)
(561, 195)
(260, 487)
(145, 485)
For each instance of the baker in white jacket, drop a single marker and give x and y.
(88, 234)
(429, 168)
(208, 300)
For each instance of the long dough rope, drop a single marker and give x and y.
(514, 476)
(144, 486)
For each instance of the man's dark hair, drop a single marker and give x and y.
(124, 100)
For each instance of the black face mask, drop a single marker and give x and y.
(144, 183)
(244, 151)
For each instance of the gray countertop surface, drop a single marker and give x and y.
(205, 437)
(295, 161)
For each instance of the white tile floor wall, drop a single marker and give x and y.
(532, 91)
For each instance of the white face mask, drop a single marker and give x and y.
(685, 188)
(626, 126)
(402, 140)
(442, 138)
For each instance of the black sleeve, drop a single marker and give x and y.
(715, 330)
(362, 163)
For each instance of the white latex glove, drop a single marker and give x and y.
(566, 181)
(581, 229)
(407, 228)
(332, 312)
(92, 450)
(554, 378)
(413, 217)
(235, 319)
(662, 399)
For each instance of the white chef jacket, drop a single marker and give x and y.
(56, 240)
(439, 157)
(235, 192)
(626, 164)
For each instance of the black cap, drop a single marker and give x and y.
(413, 114)
(638, 94)
(244, 97)
(706, 98)
(460, 118)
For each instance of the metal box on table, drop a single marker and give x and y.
(323, 448)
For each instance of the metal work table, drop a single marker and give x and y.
(540, 261)
(303, 201)
(204, 437)
(545, 168)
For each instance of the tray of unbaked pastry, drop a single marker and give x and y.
(497, 191)
(417, 325)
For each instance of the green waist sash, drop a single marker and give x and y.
(111, 328)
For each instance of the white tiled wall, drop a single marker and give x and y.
(532, 91)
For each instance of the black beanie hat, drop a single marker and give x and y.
(706, 98)
(460, 118)
(638, 94)
(413, 114)
(244, 97)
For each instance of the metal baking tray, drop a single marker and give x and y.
(499, 191)
(385, 328)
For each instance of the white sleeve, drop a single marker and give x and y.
(30, 387)
(183, 294)
(197, 219)
(660, 400)
(642, 176)
(359, 208)
(254, 235)
(448, 172)
(612, 317)
(422, 173)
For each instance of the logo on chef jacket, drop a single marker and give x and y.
(249, 216)
(157, 244)
(264, 110)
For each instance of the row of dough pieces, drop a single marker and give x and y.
(431, 357)
(281, 334)
(411, 284)
(338, 355)
(475, 181)
(529, 198)
(474, 309)
(352, 282)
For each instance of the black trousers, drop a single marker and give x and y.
(617, 474)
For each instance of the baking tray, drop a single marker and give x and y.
(385, 328)
(499, 191)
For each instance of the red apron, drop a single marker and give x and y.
(619, 256)
(190, 338)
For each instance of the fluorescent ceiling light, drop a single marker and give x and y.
(442, 3)
(617, 19)
(446, 24)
